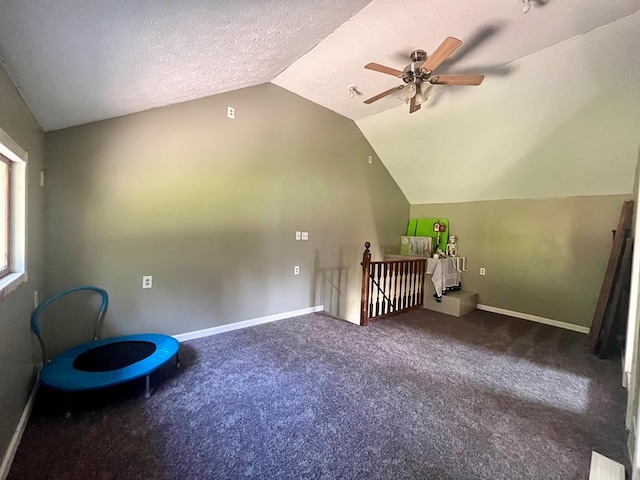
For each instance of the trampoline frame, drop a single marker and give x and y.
(60, 374)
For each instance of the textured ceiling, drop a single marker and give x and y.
(77, 61)
(494, 33)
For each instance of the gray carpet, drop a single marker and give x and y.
(420, 395)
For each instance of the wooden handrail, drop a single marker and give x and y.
(396, 286)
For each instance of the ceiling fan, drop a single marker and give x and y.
(418, 76)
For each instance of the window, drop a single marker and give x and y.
(13, 188)
(5, 212)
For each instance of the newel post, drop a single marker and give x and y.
(364, 296)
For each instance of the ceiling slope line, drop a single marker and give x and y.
(315, 45)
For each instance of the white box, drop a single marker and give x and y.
(415, 246)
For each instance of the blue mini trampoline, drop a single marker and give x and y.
(103, 363)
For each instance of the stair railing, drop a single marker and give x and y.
(390, 287)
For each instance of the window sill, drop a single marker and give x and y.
(9, 283)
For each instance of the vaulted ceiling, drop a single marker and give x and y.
(78, 61)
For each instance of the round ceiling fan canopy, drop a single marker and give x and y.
(418, 56)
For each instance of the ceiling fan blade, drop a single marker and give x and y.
(382, 69)
(383, 94)
(441, 53)
(413, 106)
(459, 79)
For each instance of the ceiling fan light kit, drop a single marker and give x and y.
(421, 92)
(423, 95)
(407, 92)
(418, 75)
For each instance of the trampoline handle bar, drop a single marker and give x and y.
(35, 316)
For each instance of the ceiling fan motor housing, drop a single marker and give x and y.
(414, 72)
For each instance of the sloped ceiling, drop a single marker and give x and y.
(78, 61)
(555, 115)
(565, 121)
(494, 32)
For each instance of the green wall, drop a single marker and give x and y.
(16, 343)
(544, 257)
(209, 206)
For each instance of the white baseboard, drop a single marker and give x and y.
(182, 337)
(534, 318)
(17, 435)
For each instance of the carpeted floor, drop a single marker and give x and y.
(420, 395)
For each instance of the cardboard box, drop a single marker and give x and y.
(415, 246)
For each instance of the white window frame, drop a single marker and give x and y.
(17, 214)
(5, 195)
